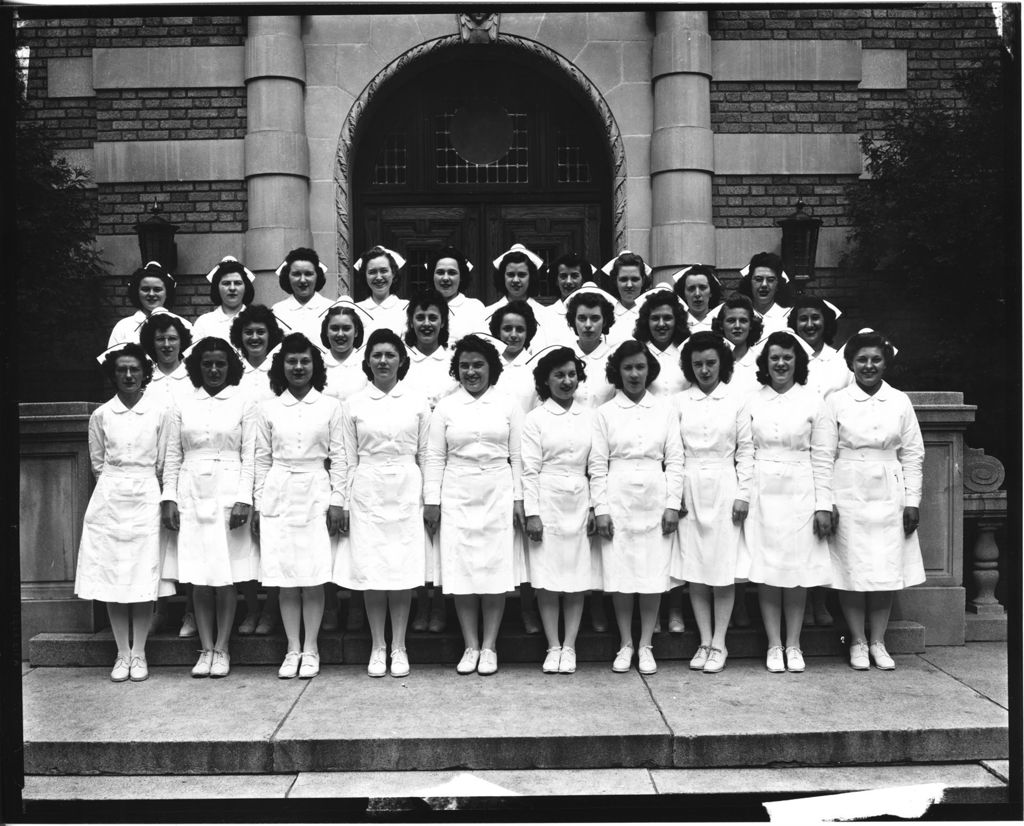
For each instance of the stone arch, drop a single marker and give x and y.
(343, 195)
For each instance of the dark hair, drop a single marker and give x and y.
(705, 340)
(248, 291)
(868, 339)
(548, 362)
(379, 252)
(518, 307)
(207, 345)
(587, 299)
(715, 298)
(161, 321)
(628, 259)
(630, 347)
(301, 254)
(427, 298)
(661, 298)
(384, 335)
(256, 314)
(357, 322)
(465, 276)
(517, 257)
(739, 302)
(814, 303)
(570, 260)
(129, 349)
(151, 270)
(296, 343)
(774, 263)
(472, 343)
(787, 341)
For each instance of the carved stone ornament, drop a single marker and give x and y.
(478, 27)
(982, 474)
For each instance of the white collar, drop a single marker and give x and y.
(622, 400)
(376, 393)
(225, 394)
(598, 352)
(440, 354)
(484, 398)
(143, 405)
(288, 400)
(884, 393)
(555, 409)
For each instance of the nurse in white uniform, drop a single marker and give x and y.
(515, 326)
(151, 288)
(715, 429)
(299, 504)
(517, 278)
(766, 284)
(790, 513)
(451, 273)
(302, 276)
(698, 287)
(636, 479)
(119, 555)
(570, 272)
(231, 289)
(207, 495)
(814, 320)
(385, 427)
(165, 338)
(877, 483)
(473, 495)
(741, 327)
(380, 266)
(628, 277)
(343, 330)
(556, 498)
(662, 327)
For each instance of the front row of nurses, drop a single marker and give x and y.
(783, 489)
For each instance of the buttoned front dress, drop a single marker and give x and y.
(215, 323)
(827, 372)
(556, 449)
(719, 451)
(792, 479)
(385, 442)
(878, 472)
(389, 315)
(293, 490)
(302, 318)
(464, 316)
(344, 378)
(211, 445)
(636, 472)
(670, 378)
(596, 390)
(474, 472)
(119, 555)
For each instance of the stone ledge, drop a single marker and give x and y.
(184, 160)
(788, 154)
(779, 60)
(69, 77)
(175, 67)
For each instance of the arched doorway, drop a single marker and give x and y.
(480, 147)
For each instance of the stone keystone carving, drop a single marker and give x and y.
(478, 27)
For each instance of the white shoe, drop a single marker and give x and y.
(378, 666)
(470, 657)
(701, 657)
(552, 659)
(139, 670)
(859, 656)
(623, 659)
(716, 661)
(290, 667)
(567, 661)
(794, 659)
(488, 662)
(645, 660)
(774, 662)
(221, 664)
(188, 625)
(121, 670)
(310, 665)
(399, 663)
(881, 657)
(202, 668)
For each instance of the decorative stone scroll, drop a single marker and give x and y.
(343, 195)
(982, 474)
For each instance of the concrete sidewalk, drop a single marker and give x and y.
(521, 731)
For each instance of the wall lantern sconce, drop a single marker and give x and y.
(799, 244)
(156, 240)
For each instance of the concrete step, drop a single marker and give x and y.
(963, 783)
(77, 722)
(514, 645)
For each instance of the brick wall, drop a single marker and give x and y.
(194, 206)
(169, 114)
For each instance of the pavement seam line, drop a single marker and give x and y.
(963, 683)
(671, 732)
(284, 719)
(654, 783)
(288, 791)
(994, 773)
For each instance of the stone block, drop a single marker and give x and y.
(393, 34)
(638, 155)
(264, 249)
(357, 65)
(781, 60)
(433, 26)
(275, 103)
(787, 154)
(323, 155)
(985, 628)
(41, 788)
(326, 109)
(883, 69)
(689, 148)
(69, 77)
(329, 29)
(636, 62)
(619, 25)
(565, 32)
(523, 24)
(982, 666)
(276, 54)
(638, 203)
(682, 50)
(638, 239)
(602, 63)
(168, 67)
(197, 252)
(321, 61)
(677, 243)
(39, 616)
(323, 215)
(279, 201)
(185, 160)
(343, 724)
(274, 152)
(632, 104)
(682, 100)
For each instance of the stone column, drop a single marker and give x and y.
(276, 150)
(682, 147)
